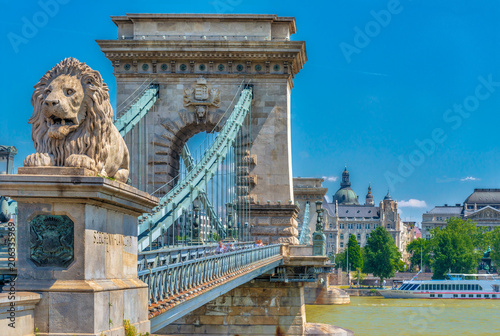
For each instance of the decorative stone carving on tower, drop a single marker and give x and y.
(73, 123)
(201, 97)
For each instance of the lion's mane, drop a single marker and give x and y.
(92, 137)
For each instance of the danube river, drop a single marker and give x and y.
(373, 316)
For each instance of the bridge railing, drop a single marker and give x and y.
(184, 270)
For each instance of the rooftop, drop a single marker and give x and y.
(484, 196)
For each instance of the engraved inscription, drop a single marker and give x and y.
(101, 238)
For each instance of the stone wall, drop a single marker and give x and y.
(17, 313)
(255, 308)
(274, 223)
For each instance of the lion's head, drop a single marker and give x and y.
(72, 113)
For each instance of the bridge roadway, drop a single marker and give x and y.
(184, 279)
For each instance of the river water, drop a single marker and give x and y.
(375, 316)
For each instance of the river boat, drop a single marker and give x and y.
(456, 286)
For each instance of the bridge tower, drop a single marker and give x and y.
(199, 62)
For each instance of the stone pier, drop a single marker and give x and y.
(259, 307)
(77, 247)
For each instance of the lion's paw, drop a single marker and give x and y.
(39, 160)
(80, 161)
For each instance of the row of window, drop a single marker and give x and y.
(486, 296)
(350, 226)
(358, 236)
(450, 287)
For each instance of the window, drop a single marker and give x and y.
(358, 237)
(494, 296)
(349, 226)
(330, 235)
(478, 295)
(341, 244)
(342, 236)
(440, 295)
(331, 226)
(463, 295)
(341, 225)
(432, 295)
(367, 226)
(471, 295)
(455, 295)
(487, 296)
(367, 236)
(358, 226)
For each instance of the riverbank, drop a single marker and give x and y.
(362, 292)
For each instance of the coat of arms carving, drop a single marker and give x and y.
(201, 97)
(51, 240)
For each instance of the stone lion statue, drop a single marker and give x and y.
(73, 123)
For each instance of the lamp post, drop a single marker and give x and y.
(197, 239)
(319, 238)
(229, 222)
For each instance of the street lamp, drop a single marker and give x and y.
(319, 238)
(319, 220)
(196, 223)
(229, 212)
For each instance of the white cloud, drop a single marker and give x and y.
(331, 178)
(412, 203)
(470, 178)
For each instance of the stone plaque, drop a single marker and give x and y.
(51, 240)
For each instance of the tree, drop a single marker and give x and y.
(358, 275)
(453, 248)
(495, 247)
(417, 248)
(355, 257)
(382, 255)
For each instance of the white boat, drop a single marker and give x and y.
(457, 286)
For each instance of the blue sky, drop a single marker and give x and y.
(407, 94)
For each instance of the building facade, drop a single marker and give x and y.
(345, 215)
(482, 206)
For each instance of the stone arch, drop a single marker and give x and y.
(175, 132)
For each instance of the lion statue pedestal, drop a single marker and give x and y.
(77, 247)
(77, 220)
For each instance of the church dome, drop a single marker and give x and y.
(345, 196)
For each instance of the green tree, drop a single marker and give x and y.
(358, 275)
(495, 247)
(355, 257)
(382, 255)
(419, 248)
(453, 248)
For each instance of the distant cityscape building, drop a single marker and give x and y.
(7, 154)
(482, 206)
(345, 215)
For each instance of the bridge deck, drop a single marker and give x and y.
(182, 280)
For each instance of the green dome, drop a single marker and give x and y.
(346, 196)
